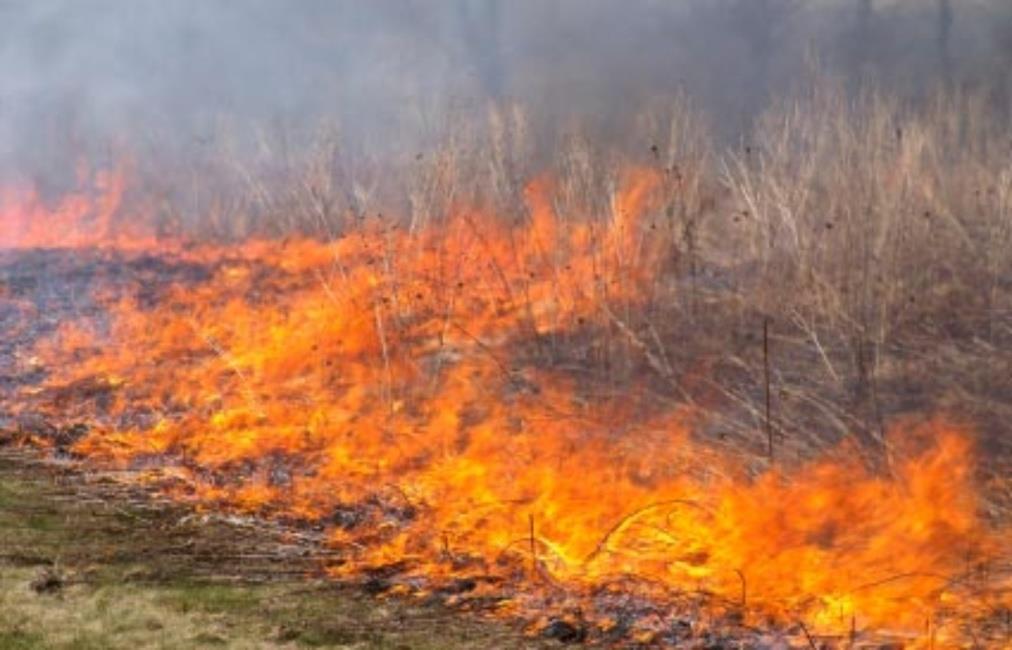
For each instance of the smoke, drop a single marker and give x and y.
(87, 78)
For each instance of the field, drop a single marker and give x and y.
(668, 393)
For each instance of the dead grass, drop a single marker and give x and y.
(871, 233)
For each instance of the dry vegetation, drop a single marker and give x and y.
(632, 324)
(871, 234)
(843, 268)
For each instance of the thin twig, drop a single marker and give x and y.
(811, 641)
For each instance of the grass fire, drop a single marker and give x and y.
(613, 377)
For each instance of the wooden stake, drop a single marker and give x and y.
(534, 556)
(766, 374)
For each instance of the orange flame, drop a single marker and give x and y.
(84, 218)
(395, 370)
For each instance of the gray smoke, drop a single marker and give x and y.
(87, 78)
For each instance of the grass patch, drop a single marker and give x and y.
(18, 640)
(212, 598)
(133, 576)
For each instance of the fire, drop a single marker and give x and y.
(83, 218)
(393, 385)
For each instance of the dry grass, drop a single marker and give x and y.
(876, 236)
(872, 234)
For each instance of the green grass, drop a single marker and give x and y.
(210, 598)
(18, 640)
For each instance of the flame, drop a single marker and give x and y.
(389, 383)
(84, 218)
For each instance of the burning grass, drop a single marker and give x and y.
(528, 417)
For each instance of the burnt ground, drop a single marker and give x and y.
(40, 289)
